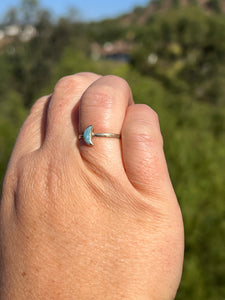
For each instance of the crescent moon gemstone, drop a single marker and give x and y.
(88, 135)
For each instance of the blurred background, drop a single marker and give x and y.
(172, 53)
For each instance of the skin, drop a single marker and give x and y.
(81, 222)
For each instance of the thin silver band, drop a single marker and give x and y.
(89, 133)
(104, 134)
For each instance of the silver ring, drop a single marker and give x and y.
(89, 133)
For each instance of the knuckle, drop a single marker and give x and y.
(122, 85)
(147, 135)
(118, 80)
(62, 82)
(100, 98)
(24, 165)
(144, 125)
(155, 116)
(73, 81)
(106, 94)
(152, 114)
(68, 82)
(145, 138)
(146, 115)
(88, 75)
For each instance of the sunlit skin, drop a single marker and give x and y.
(89, 222)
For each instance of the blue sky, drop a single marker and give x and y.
(88, 9)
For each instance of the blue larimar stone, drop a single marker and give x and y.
(88, 135)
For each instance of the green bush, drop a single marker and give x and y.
(188, 46)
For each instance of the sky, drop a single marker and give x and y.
(88, 9)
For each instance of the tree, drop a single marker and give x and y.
(29, 11)
(215, 5)
(189, 46)
(11, 16)
(72, 15)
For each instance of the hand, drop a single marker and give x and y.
(89, 222)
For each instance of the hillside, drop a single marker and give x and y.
(140, 15)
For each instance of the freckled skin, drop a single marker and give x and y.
(81, 222)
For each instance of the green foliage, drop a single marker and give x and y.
(106, 30)
(12, 115)
(189, 47)
(215, 5)
(26, 13)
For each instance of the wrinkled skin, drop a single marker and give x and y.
(82, 222)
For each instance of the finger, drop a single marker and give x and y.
(32, 132)
(61, 131)
(104, 106)
(143, 154)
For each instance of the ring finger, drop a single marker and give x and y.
(104, 106)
